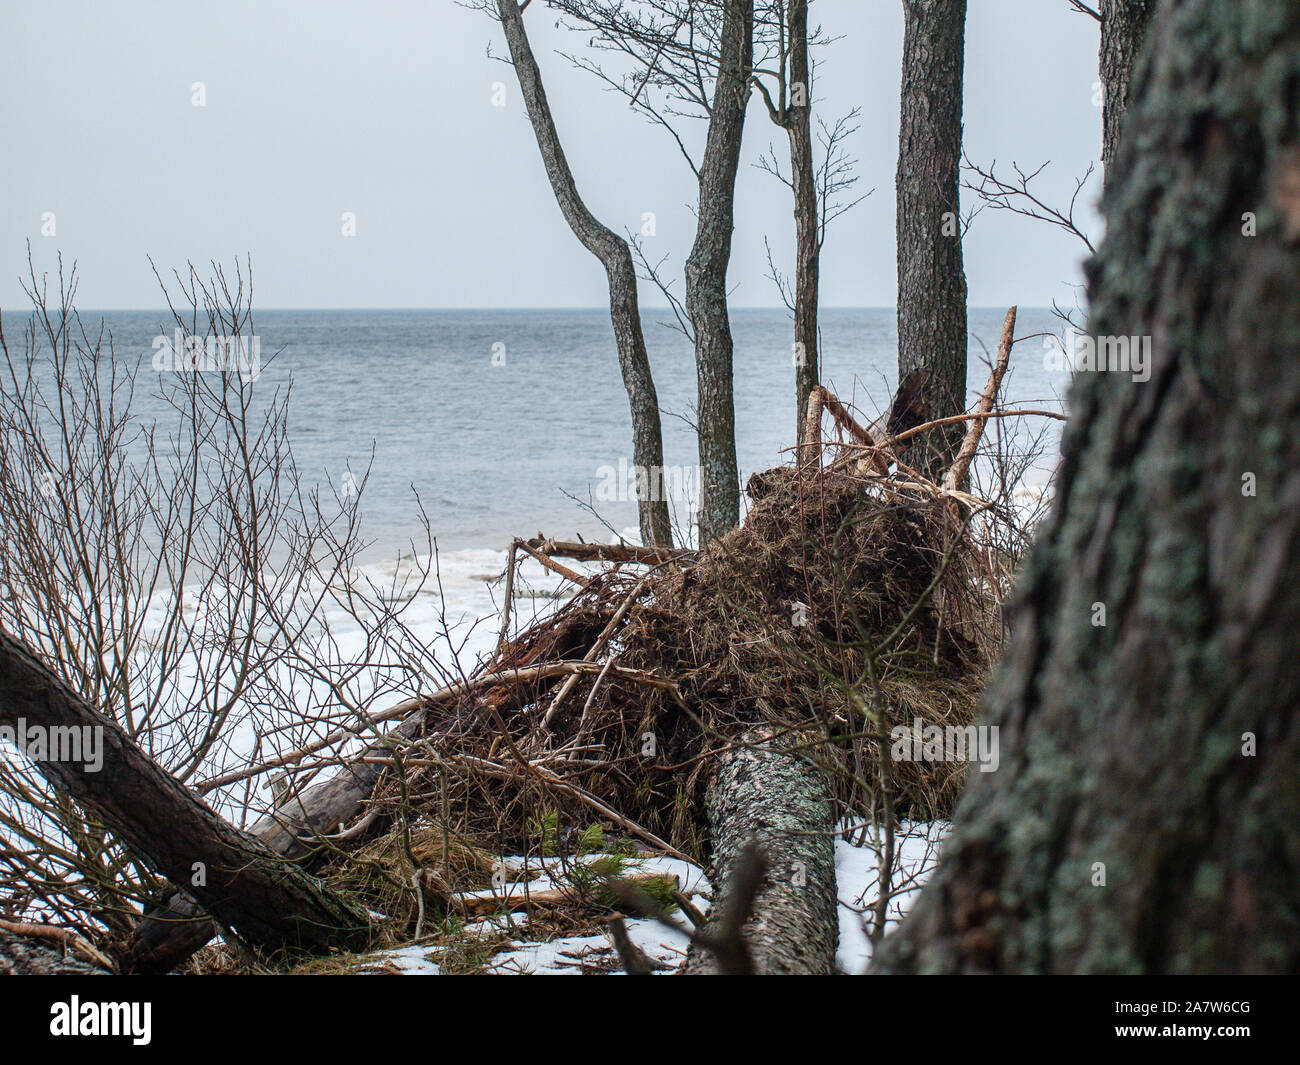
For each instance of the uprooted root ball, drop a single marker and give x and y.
(839, 599)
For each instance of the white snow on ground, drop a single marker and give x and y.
(547, 872)
(405, 961)
(661, 945)
(857, 876)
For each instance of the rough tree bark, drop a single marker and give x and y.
(764, 795)
(1146, 816)
(931, 279)
(1123, 24)
(706, 276)
(269, 903)
(614, 254)
(796, 119)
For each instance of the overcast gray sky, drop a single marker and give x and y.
(385, 110)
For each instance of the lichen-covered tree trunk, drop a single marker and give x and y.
(931, 278)
(766, 795)
(270, 903)
(1123, 24)
(706, 276)
(1146, 815)
(613, 252)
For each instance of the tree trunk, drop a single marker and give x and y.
(706, 276)
(1123, 23)
(1146, 817)
(804, 186)
(613, 252)
(268, 903)
(778, 800)
(931, 280)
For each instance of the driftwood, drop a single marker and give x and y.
(629, 553)
(519, 896)
(236, 877)
(956, 475)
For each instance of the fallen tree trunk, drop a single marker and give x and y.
(235, 876)
(171, 933)
(630, 553)
(65, 940)
(764, 795)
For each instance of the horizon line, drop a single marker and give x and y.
(837, 307)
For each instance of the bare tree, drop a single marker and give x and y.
(614, 254)
(791, 109)
(706, 276)
(931, 279)
(691, 59)
(1014, 194)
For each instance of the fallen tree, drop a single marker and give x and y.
(269, 904)
(698, 706)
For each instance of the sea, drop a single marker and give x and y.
(505, 423)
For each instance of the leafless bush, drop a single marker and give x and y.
(178, 571)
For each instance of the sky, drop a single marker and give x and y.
(316, 112)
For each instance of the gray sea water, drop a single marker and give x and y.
(498, 418)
